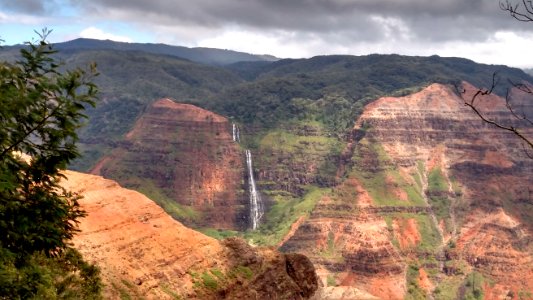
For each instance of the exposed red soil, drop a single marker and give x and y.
(406, 232)
(423, 280)
(145, 253)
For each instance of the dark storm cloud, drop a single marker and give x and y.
(425, 20)
(429, 20)
(25, 6)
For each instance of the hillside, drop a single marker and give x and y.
(434, 199)
(208, 56)
(184, 158)
(277, 91)
(144, 253)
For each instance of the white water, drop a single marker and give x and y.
(235, 133)
(256, 205)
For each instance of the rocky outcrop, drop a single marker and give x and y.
(144, 253)
(498, 246)
(350, 248)
(185, 159)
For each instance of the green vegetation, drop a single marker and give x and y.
(219, 234)
(438, 195)
(176, 210)
(285, 211)
(214, 279)
(436, 181)
(170, 292)
(331, 281)
(448, 288)
(381, 178)
(474, 286)
(123, 293)
(40, 110)
(414, 291)
(331, 251)
(430, 236)
(244, 271)
(302, 149)
(330, 89)
(525, 294)
(209, 281)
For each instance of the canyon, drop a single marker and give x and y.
(333, 177)
(419, 200)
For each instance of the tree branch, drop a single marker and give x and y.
(515, 12)
(513, 129)
(40, 124)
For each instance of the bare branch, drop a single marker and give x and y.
(524, 14)
(516, 131)
(528, 152)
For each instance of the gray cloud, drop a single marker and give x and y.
(425, 20)
(25, 6)
(413, 25)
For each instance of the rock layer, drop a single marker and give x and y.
(181, 154)
(144, 253)
(434, 195)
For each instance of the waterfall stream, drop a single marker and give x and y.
(256, 205)
(235, 133)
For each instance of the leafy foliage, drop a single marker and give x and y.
(267, 98)
(66, 276)
(40, 111)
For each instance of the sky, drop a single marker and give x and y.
(474, 29)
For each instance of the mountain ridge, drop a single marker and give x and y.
(212, 56)
(143, 252)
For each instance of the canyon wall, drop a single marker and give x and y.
(185, 159)
(433, 201)
(144, 253)
(421, 200)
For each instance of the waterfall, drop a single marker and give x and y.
(256, 206)
(235, 133)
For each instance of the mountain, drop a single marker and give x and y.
(420, 199)
(185, 159)
(270, 94)
(209, 56)
(144, 253)
(434, 201)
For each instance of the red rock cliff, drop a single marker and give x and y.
(183, 157)
(144, 253)
(435, 196)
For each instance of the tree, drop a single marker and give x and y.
(40, 110)
(522, 11)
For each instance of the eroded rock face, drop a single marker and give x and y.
(496, 244)
(182, 154)
(144, 253)
(350, 248)
(433, 195)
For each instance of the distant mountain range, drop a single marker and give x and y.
(203, 55)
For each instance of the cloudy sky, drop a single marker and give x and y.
(475, 29)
